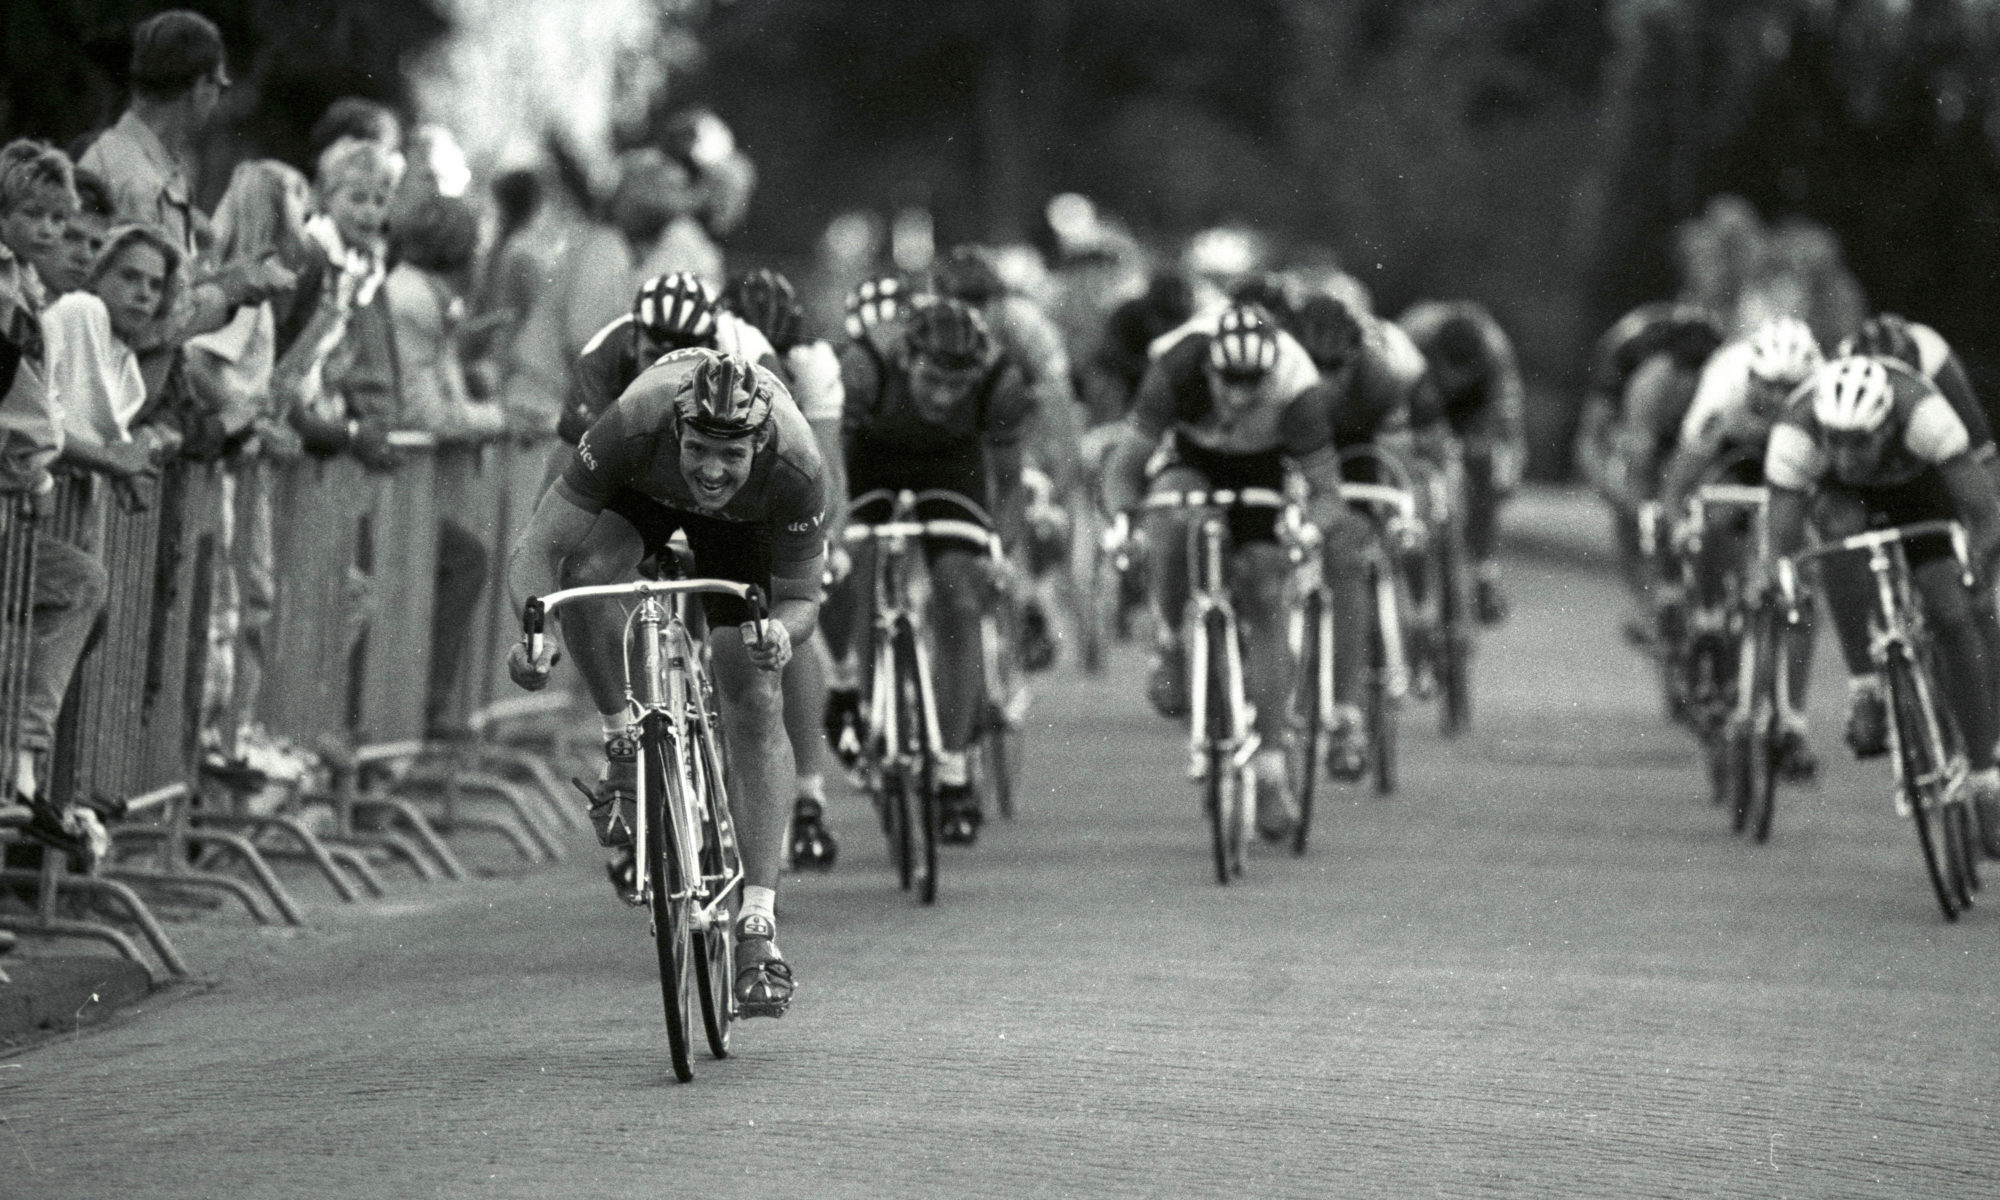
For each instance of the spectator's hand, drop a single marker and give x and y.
(371, 446)
(278, 441)
(162, 442)
(532, 672)
(482, 378)
(774, 651)
(136, 492)
(43, 494)
(319, 432)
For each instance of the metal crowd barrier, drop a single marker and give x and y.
(346, 672)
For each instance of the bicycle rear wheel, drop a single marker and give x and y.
(1309, 711)
(673, 935)
(1922, 779)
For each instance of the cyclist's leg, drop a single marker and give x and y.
(959, 584)
(594, 635)
(1965, 672)
(760, 769)
(1347, 535)
(1481, 505)
(1258, 592)
(1166, 532)
(804, 682)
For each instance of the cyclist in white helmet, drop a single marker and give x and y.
(1743, 390)
(1867, 447)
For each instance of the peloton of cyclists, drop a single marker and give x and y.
(706, 444)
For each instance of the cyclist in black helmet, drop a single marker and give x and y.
(941, 407)
(709, 445)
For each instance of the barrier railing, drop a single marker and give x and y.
(347, 666)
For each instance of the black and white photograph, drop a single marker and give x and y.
(936, 599)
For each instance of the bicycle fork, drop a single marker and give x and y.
(1240, 740)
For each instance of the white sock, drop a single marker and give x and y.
(814, 786)
(759, 902)
(24, 773)
(951, 768)
(615, 724)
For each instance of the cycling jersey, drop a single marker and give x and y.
(1384, 390)
(1731, 407)
(1925, 431)
(1685, 333)
(610, 361)
(881, 408)
(812, 369)
(1937, 363)
(1489, 406)
(629, 462)
(1175, 394)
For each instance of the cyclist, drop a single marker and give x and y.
(767, 302)
(1743, 391)
(1234, 407)
(1377, 392)
(709, 445)
(1109, 378)
(944, 408)
(1643, 377)
(1478, 381)
(1027, 336)
(1898, 340)
(674, 311)
(1865, 446)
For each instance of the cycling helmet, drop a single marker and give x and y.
(967, 274)
(1783, 351)
(1885, 335)
(949, 333)
(1853, 395)
(1245, 345)
(724, 397)
(767, 301)
(1329, 330)
(876, 301)
(677, 307)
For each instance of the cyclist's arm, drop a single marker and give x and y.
(1685, 466)
(1152, 415)
(1978, 502)
(1785, 521)
(561, 521)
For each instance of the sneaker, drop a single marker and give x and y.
(1867, 718)
(812, 845)
(843, 725)
(1347, 756)
(959, 816)
(1277, 805)
(614, 801)
(1796, 761)
(763, 986)
(1038, 647)
(1167, 687)
(1488, 602)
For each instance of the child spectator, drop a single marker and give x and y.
(37, 195)
(92, 335)
(83, 237)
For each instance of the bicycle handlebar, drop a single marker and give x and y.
(974, 530)
(1383, 496)
(534, 614)
(1873, 540)
(1253, 497)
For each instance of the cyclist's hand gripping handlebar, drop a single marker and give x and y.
(534, 656)
(768, 642)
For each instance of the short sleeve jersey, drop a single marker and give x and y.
(632, 448)
(880, 406)
(1383, 390)
(1288, 415)
(1493, 401)
(1926, 431)
(609, 362)
(1728, 407)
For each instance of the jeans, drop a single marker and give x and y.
(70, 588)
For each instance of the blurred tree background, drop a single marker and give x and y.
(1534, 154)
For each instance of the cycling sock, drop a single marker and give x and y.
(951, 768)
(615, 725)
(759, 902)
(813, 786)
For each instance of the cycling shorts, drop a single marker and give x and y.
(1218, 471)
(731, 550)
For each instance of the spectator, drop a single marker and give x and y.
(436, 245)
(354, 117)
(37, 195)
(342, 393)
(147, 158)
(230, 372)
(83, 237)
(656, 206)
(515, 268)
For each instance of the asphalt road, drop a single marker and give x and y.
(1545, 969)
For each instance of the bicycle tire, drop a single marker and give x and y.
(919, 786)
(1309, 747)
(1380, 714)
(1912, 745)
(1223, 797)
(897, 813)
(1765, 747)
(1455, 685)
(715, 946)
(672, 935)
(1000, 735)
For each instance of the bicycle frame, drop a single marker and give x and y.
(667, 686)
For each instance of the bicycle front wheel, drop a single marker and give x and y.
(1922, 769)
(1309, 710)
(673, 933)
(1763, 747)
(917, 784)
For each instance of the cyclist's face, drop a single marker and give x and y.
(1767, 396)
(938, 388)
(715, 468)
(1234, 393)
(1855, 455)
